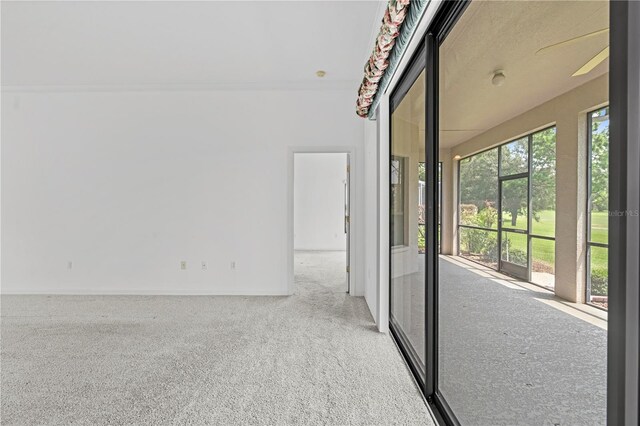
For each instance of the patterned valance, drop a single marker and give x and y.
(398, 24)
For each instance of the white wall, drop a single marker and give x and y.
(371, 217)
(125, 185)
(377, 138)
(319, 201)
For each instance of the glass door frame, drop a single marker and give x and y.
(589, 242)
(623, 362)
(415, 68)
(511, 268)
(507, 267)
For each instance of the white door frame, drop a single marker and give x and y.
(354, 219)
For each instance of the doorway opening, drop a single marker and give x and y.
(321, 221)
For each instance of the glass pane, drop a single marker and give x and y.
(480, 246)
(479, 190)
(543, 259)
(407, 286)
(543, 183)
(514, 248)
(507, 354)
(514, 157)
(599, 165)
(599, 227)
(397, 201)
(599, 276)
(514, 203)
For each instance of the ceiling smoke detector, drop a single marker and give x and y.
(498, 78)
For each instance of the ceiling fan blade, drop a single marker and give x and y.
(593, 62)
(572, 40)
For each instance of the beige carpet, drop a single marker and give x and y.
(311, 358)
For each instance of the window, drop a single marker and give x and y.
(597, 208)
(507, 200)
(477, 208)
(543, 207)
(514, 157)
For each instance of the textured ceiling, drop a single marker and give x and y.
(412, 106)
(506, 35)
(176, 43)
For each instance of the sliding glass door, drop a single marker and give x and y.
(508, 115)
(508, 352)
(407, 218)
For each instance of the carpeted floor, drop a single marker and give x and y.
(311, 358)
(512, 355)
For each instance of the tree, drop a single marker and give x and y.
(514, 198)
(479, 176)
(543, 172)
(479, 179)
(514, 160)
(600, 161)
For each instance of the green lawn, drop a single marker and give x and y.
(481, 245)
(599, 234)
(599, 227)
(544, 250)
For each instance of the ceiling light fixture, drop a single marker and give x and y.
(498, 78)
(321, 73)
(457, 157)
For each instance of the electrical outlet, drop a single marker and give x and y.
(204, 265)
(233, 264)
(183, 265)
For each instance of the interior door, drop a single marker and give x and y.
(514, 227)
(347, 221)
